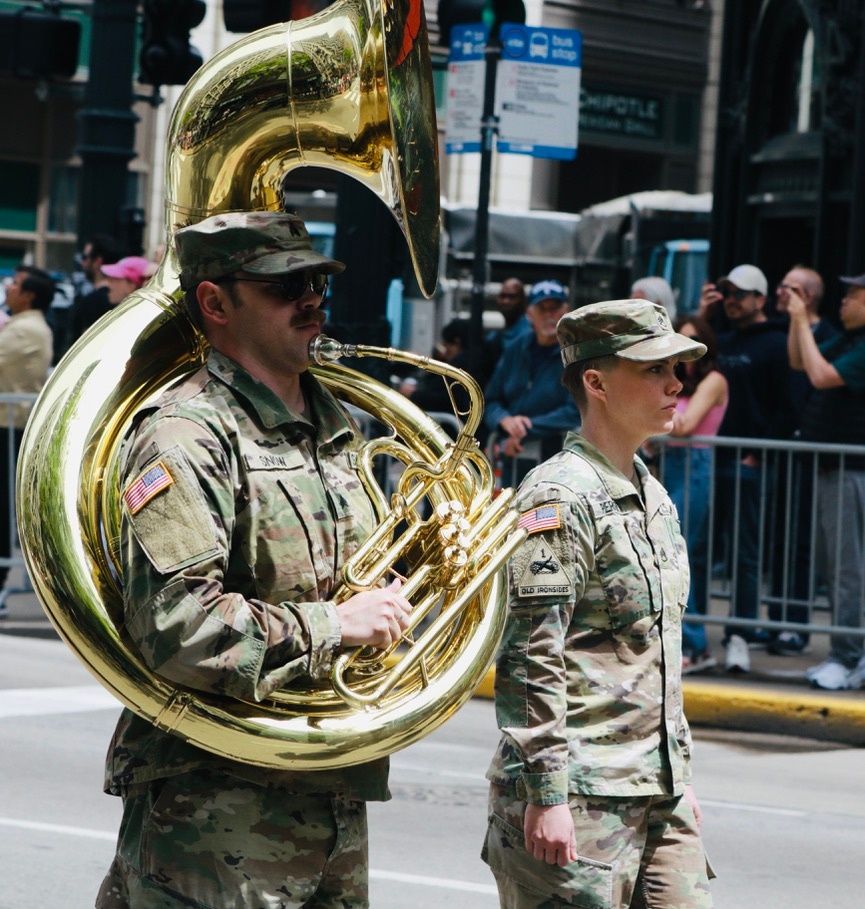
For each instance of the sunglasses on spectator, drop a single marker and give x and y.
(735, 293)
(293, 286)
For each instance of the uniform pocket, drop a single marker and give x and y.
(174, 527)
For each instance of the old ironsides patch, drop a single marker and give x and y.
(543, 575)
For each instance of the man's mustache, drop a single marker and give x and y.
(305, 318)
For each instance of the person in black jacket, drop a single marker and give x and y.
(835, 414)
(753, 358)
(99, 250)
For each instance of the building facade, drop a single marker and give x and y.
(644, 125)
(789, 184)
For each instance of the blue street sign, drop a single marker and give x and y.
(538, 91)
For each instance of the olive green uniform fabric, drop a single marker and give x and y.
(588, 682)
(237, 517)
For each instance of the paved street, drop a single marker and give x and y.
(785, 817)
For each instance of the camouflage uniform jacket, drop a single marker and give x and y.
(230, 564)
(588, 680)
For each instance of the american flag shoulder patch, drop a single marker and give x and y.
(546, 517)
(152, 481)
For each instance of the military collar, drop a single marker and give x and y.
(330, 420)
(616, 483)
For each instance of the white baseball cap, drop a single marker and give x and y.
(747, 277)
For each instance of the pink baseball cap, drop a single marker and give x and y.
(133, 268)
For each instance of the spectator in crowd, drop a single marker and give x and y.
(125, 276)
(511, 302)
(98, 251)
(25, 358)
(591, 802)
(792, 565)
(241, 503)
(657, 290)
(752, 356)
(526, 403)
(835, 413)
(687, 475)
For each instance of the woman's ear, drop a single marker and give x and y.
(593, 382)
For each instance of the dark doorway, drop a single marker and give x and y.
(599, 174)
(781, 243)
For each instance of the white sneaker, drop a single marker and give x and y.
(829, 675)
(738, 658)
(856, 678)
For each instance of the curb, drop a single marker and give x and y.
(811, 716)
(807, 715)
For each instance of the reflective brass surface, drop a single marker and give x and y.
(350, 89)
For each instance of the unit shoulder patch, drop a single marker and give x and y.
(150, 483)
(544, 575)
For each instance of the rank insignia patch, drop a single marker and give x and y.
(151, 482)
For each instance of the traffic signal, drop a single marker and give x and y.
(38, 45)
(167, 57)
(250, 15)
(491, 13)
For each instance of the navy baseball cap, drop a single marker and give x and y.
(547, 290)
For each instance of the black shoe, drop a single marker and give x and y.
(788, 643)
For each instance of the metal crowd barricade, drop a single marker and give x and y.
(788, 532)
(8, 403)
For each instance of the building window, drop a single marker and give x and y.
(20, 182)
(795, 98)
(63, 202)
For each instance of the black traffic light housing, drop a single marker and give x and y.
(167, 57)
(38, 45)
(250, 15)
(470, 12)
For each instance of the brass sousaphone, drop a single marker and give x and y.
(348, 89)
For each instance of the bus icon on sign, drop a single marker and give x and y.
(539, 45)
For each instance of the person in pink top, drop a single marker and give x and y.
(687, 475)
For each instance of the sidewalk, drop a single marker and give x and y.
(773, 697)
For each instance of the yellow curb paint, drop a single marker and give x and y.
(828, 718)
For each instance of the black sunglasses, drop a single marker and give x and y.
(735, 293)
(293, 286)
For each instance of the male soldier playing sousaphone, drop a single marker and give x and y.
(241, 502)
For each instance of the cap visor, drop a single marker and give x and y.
(284, 263)
(674, 345)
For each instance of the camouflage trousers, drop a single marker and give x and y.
(211, 841)
(642, 853)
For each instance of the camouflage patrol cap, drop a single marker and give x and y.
(632, 329)
(258, 242)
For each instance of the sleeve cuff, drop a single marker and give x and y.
(324, 637)
(545, 788)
